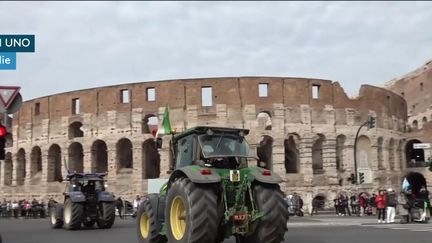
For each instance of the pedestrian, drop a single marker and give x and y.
(315, 205)
(372, 205)
(336, 205)
(119, 205)
(391, 205)
(345, 203)
(354, 205)
(362, 203)
(423, 197)
(402, 208)
(136, 204)
(380, 201)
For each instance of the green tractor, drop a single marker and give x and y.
(212, 194)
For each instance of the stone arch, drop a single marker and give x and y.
(391, 153)
(264, 120)
(292, 158)
(76, 130)
(150, 160)
(20, 167)
(380, 156)
(424, 120)
(340, 147)
(54, 163)
(124, 154)
(317, 154)
(99, 157)
(149, 123)
(76, 157)
(414, 157)
(8, 168)
(265, 151)
(364, 152)
(415, 125)
(35, 161)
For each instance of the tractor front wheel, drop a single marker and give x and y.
(72, 215)
(271, 227)
(191, 213)
(148, 230)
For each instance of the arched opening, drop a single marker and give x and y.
(380, 157)
(415, 125)
(317, 155)
(54, 164)
(8, 168)
(292, 160)
(76, 158)
(264, 120)
(340, 146)
(150, 160)
(76, 130)
(35, 161)
(363, 152)
(414, 157)
(99, 157)
(149, 123)
(318, 201)
(124, 154)
(20, 167)
(391, 151)
(265, 150)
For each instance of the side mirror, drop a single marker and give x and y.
(159, 143)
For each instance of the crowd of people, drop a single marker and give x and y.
(23, 209)
(385, 205)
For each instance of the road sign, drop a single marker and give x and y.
(16, 104)
(421, 145)
(7, 95)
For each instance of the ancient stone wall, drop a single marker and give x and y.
(303, 128)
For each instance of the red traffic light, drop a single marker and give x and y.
(3, 131)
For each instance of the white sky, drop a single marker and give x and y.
(89, 44)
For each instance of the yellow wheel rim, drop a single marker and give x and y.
(144, 225)
(178, 218)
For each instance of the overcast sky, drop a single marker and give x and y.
(90, 44)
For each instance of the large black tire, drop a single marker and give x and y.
(147, 227)
(199, 202)
(106, 215)
(73, 215)
(56, 217)
(271, 227)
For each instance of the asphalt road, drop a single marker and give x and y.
(304, 230)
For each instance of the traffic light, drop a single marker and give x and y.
(371, 122)
(361, 178)
(352, 178)
(3, 132)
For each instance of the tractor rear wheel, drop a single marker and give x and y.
(73, 214)
(106, 215)
(271, 227)
(191, 213)
(56, 216)
(148, 230)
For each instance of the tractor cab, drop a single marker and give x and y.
(212, 147)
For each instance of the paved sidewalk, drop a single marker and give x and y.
(330, 220)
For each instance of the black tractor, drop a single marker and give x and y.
(85, 203)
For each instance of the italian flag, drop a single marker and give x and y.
(166, 124)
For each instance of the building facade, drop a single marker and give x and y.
(304, 129)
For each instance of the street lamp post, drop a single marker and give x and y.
(371, 124)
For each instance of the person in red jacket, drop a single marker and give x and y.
(381, 205)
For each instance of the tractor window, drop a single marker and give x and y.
(184, 151)
(223, 145)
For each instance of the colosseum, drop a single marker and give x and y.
(303, 128)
